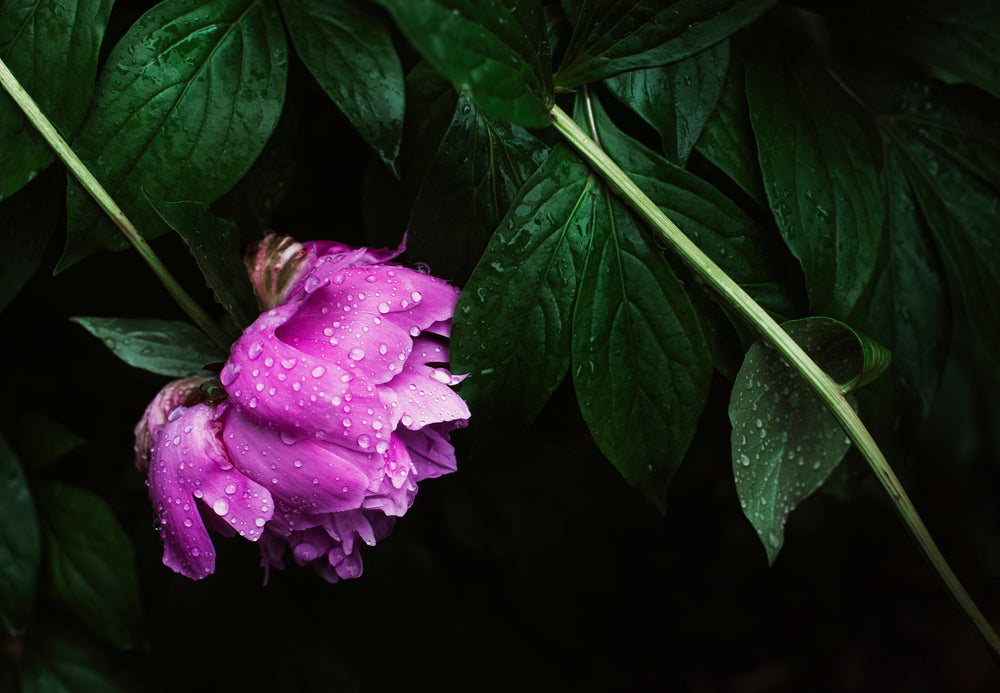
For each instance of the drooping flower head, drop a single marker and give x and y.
(338, 402)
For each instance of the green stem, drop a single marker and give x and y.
(101, 196)
(824, 386)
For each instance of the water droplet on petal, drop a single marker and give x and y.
(356, 354)
(364, 441)
(230, 489)
(254, 350)
(383, 307)
(220, 506)
(318, 371)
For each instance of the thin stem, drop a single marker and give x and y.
(102, 198)
(826, 389)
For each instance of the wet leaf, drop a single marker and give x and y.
(20, 544)
(184, 104)
(348, 49)
(51, 47)
(819, 173)
(90, 567)
(477, 171)
(215, 245)
(496, 50)
(165, 347)
(60, 665)
(612, 36)
(26, 224)
(785, 441)
(512, 323)
(676, 99)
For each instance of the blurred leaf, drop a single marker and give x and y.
(40, 441)
(512, 323)
(166, 347)
(676, 99)
(959, 36)
(26, 223)
(495, 49)
(785, 442)
(51, 46)
(720, 228)
(89, 562)
(20, 544)
(478, 169)
(818, 170)
(954, 178)
(611, 36)
(215, 245)
(184, 104)
(727, 140)
(59, 665)
(348, 49)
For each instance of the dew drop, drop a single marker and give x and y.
(318, 371)
(383, 307)
(220, 506)
(356, 354)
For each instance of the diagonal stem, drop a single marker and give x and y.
(102, 198)
(825, 388)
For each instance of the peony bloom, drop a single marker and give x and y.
(338, 402)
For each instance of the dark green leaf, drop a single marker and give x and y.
(818, 171)
(215, 245)
(496, 50)
(959, 36)
(512, 323)
(719, 227)
(955, 183)
(479, 167)
(20, 544)
(89, 562)
(611, 36)
(26, 224)
(727, 140)
(676, 99)
(166, 347)
(62, 666)
(184, 104)
(51, 46)
(349, 51)
(40, 441)
(907, 307)
(785, 442)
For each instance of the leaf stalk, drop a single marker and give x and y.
(829, 392)
(48, 131)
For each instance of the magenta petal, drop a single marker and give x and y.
(306, 475)
(432, 454)
(189, 463)
(285, 388)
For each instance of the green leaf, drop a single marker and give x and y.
(26, 224)
(496, 50)
(727, 140)
(959, 36)
(184, 104)
(907, 306)
(611, 36)
(676, 99)
(478, 169)
(640, 362)
(818, 170)
(785, 442)
(20, 544)
(60, 665)
(512, 323)
(89, 562)
(51, 46)
(348, 49)
(215, 245)
(166, 347)
(720, 228)
(955, 181)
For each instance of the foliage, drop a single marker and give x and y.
(839, 160)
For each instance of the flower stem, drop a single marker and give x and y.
(826, 389)
(102, 198)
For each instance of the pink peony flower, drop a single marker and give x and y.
(338, 402)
